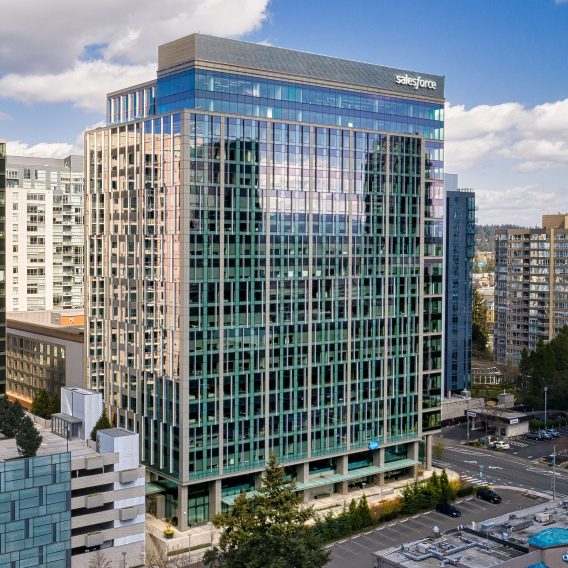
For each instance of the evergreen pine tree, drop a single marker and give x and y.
(102, 424)
(268, 530)
(40, 404)
(28, 439)
(446, 491)
(354, 516)
(12, 417)
(365, 516)
(54, 404)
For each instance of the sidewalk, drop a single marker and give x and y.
(205, 536)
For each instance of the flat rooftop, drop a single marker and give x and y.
(522, 526)
(489, 543)
(117, 433)
(51, 444)
(469, 550)
(268, 61)
(51, 323)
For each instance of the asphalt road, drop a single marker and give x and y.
(523, 447)
(356, 552)
(481, 466)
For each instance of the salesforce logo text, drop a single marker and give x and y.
(415, 82)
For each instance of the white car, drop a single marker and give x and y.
(500, 445)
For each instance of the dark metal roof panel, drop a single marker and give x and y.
(198, 47)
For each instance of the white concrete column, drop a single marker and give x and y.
(413, 454)
(183, 523)
(214, 498)
(303, 476)
(428, 452)
(342, 468)
(379, 461)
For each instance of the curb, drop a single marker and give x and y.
(523, 490)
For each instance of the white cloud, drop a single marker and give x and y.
(84, 85)
(515, 204)
(93, 47)
(531, 138)
(4, 116)
(43, 149)
(128, 31)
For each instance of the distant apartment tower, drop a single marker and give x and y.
(265, 269)
(2, 268)
(459, 253)
(531, 279)
(45, 237)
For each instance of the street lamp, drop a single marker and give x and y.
(124, 560)
(554, 474)
(545, 406)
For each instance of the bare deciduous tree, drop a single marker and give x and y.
(99, 560)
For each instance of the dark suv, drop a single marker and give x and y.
(447, 509)
(488, 495)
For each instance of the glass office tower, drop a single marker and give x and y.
(460, 250)
(264, 233)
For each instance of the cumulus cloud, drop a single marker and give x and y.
(95, 46)
(128, 31)
(532, 138)
(84, 85)
(43, 149)
(510, 205)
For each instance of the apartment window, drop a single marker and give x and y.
(14, 248)
(27, 173)
(14, 206)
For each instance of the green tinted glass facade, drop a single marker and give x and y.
(261, 285)
(35, 512)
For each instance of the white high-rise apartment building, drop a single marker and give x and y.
(44, 233)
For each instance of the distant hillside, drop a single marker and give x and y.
(485, 236)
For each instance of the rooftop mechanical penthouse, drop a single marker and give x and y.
(264, 235)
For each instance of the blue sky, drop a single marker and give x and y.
(505, 63)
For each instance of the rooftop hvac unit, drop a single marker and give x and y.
(542, 517)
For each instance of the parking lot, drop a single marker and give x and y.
(356, 552)
(522, 447)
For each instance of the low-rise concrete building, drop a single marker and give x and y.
(44, 350)
(534, 537)
(500, 421)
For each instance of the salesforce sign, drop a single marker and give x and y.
(416, 82)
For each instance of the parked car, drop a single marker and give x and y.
(533, 436)
(500, 445)
(488, 495)
(554, 433)
(545, 435)
(447, 509)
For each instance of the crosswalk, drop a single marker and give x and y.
(474, 480)
(465, 451)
